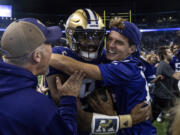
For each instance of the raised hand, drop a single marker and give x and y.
(72, 86)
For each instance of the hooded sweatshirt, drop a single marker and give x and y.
(24, 111)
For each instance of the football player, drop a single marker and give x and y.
(85, 33)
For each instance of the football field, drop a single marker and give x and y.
(161, 127)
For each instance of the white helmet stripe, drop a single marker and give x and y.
(92, 16)
(92, 19)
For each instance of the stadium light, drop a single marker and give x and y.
(162, 29)
(142, 30)
(2, 29)
(6, 10)
(154, 30)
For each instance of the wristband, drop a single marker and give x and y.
(104, 124)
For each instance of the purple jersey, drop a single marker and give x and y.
(175, 63)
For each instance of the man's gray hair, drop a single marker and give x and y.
(23, 60)
(20, 61)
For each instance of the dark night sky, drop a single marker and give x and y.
(68, 6)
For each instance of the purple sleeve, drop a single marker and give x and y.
(64, 121)
(117, 73)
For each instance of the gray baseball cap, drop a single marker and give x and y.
(23, 36)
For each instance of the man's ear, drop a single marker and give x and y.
(132, 48)
(36, 56)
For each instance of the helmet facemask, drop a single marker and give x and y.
(88, 43)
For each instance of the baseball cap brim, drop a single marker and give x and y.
(54, 34)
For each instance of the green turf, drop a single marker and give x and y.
(39, 79)
(161, 127)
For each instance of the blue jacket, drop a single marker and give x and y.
(23, 111)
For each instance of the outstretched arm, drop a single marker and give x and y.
(69, 66)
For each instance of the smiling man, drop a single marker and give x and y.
(123, 74)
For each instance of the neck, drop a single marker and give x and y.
(31, 68)
(124, 58)
(28, 66)
(165, 60)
